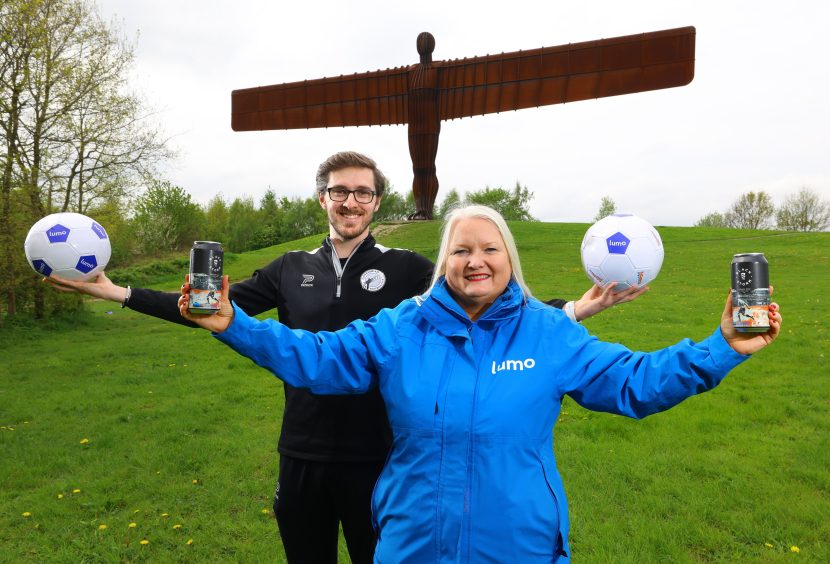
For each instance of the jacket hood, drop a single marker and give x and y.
(449, 319)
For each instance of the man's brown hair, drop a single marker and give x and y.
(346, 159)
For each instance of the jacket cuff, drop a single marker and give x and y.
(235, 332)
(722, 353)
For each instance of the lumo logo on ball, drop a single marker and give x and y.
(57, 233)
(617, 243)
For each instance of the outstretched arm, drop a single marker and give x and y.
(98, 287)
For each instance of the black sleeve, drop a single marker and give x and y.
(422, 267)
(557, 303)
(258, 293)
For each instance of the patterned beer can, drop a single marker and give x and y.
(750, 293)
(206, 259)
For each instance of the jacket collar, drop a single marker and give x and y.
(366, 244)
(449, 319)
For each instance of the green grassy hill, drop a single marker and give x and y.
(123, 428)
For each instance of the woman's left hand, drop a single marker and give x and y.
(216, 322)
(749, 343)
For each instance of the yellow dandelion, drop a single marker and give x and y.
(795, 549)
(137, 511)
(195, 481)
(768, 545)
(84, 441)
(170, 365)
(132, 525)
(189, 542)
(102, 527)
(26, 514)
(60, 496)
(265, 512)
(144, 542)
(177, 526)
(165, 515)
(76, 490)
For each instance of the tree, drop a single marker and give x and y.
(72, 135)
(242, 225)
(804, 211)
(450, 201)
(752, 210)
(300, 218)
(714, 219)
(511, 204)
(606, 207)
(166, 219)
(394, 206)
(216, 219)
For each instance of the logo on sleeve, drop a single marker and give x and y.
(308, 281)
(372, 280)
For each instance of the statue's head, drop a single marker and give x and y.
(426, 45)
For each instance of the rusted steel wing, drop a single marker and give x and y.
(369, 98)
(480, 85)
(567, 73)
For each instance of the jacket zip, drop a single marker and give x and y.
(338, 269)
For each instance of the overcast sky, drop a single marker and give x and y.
(755, 117)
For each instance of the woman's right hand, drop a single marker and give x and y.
(216, 322)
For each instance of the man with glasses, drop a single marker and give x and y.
(332, 448)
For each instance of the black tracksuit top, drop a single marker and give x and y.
(305, 289)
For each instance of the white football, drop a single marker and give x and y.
(69, 245)
(622, 248)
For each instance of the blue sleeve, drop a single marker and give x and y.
(341, 362)
(613, 379)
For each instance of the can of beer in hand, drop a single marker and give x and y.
(750, 293)
(206, 259)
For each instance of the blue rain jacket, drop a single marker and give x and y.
(471, 476)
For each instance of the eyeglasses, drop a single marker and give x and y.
(361, 195)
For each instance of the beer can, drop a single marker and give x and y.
(750, 293)
(206, 259)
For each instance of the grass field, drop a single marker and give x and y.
(122, 428)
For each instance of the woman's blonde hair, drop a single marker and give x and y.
(494, 217)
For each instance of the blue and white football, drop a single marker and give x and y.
(622, 248)
(69, 245)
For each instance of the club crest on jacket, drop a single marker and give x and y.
(372, 280)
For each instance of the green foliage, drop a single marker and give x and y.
(395, 206)
(166, 219)
(513, 204)
(300, 218)
(752, 210)
(216, 220)
(715, 479)
(110, 214)
(243, 223)
(713, 219)
(804, 211)
(450, 202)
(606, 207)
